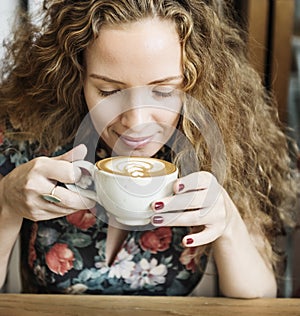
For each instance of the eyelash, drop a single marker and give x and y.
(107, 93)
(163, 94)
(159, 94)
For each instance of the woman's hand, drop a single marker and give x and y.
(199, 200)
(23, 187)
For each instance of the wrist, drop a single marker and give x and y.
(10, 225)
(235, 226)
(8, 217)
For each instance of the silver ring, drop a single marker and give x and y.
(50, 197)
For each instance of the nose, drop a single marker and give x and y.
(135, 118)
(137, 111)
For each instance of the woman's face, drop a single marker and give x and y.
(131, 81)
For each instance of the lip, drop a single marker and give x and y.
(136, 142)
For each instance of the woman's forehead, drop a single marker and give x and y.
(150, 46)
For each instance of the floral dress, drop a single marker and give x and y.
(67, 254)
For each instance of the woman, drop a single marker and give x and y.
(87, 52)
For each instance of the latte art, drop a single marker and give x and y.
(137, 167)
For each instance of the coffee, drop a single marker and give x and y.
(127, 186)
(137, 167)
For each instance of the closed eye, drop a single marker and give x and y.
(105, 93)
(163, 92)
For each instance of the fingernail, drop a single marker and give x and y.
(158, 206)
(180, 187)
(189, 241)
(157, 219)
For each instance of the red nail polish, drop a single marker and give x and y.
(180, 187)
(189, 241)
(158, 206)
(157, 220)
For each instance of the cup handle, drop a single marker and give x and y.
(83, 164)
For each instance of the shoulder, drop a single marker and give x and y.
(15, 150)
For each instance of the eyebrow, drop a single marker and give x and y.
(107, 79)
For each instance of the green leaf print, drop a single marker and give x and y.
(79, 240)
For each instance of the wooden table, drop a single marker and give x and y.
(57, 305)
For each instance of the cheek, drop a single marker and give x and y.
(103, 116)
(168, 118)
(91, 95)
(103, 122)
(101, 111)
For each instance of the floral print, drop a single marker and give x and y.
(59, 259)
(156, 240)
(147, 273)
(69, 259)
(68, 254)
(189, 258)
(83, 219)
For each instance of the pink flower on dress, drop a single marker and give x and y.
(156, 240)
(59, 259)
(83, 219)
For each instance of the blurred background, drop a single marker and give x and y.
(273, 40)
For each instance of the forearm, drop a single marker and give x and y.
(10, 225)
(242, 270)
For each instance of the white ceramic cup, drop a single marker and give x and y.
(126, 186)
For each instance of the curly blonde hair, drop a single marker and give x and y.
(42, 82)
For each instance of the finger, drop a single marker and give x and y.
(56, 170)
(195, 181)
(185, 201)
(70, 200)
(55, 212)
(188, 201)
(68, 173)
(191, 218)
(76, 153)
(204, 237)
